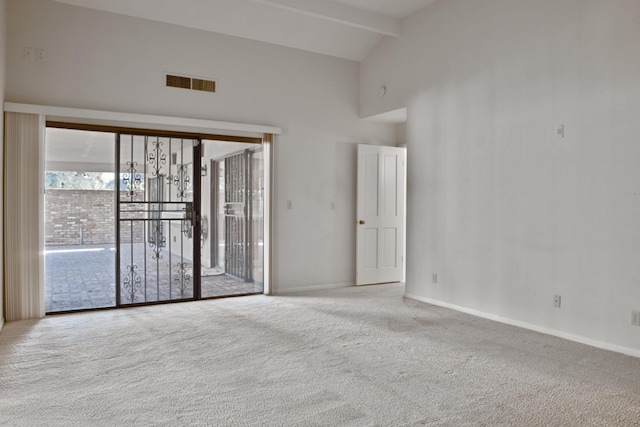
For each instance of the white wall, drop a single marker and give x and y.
(506, 213)
(104, 61)
(3, 39)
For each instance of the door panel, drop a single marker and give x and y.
(370, 183)
(79, 219)
(236, 193)
(370, 248)
(390, 248)
(380, 205)
(390, 183)
(157, 219)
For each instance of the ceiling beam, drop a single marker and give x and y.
(342, 14)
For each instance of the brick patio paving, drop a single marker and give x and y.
(81, 277)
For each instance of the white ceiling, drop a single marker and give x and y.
(343, 28)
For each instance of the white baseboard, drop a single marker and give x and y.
(312, 288)
(571, 337)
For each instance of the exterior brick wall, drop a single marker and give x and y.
(77, 217)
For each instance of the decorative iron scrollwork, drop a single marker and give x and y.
(187, 230)
(182, 180)
(131, 178)
(156, 157)
(182, 278)
(133, 282)
(158, 241)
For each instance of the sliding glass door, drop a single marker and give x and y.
(139, 219)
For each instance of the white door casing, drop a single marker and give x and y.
(381, 214)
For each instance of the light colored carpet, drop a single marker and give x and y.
(346, 357)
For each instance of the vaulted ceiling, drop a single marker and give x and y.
(346, 29)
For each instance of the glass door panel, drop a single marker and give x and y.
(157, 219)
(79, 223)
(233, 205)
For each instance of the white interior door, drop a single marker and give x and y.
(381, 217)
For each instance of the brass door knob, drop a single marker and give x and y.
(361, 222)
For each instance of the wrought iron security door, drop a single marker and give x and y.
(158, 212)
(235, 215)
(239, 224)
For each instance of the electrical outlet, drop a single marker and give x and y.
(434, 278)
(289, 204)
(560, 131)
(28, 54)
(557, 301)
(40, 55)
(635, 318)
(333, 205)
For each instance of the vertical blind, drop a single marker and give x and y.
(24, 245)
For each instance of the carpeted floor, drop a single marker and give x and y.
(348, 357)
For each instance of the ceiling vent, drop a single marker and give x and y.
(184, 82)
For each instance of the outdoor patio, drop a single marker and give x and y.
(81, 277)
